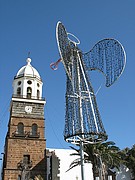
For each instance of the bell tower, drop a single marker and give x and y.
(25, 142)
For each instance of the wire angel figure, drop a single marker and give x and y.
(82, 119)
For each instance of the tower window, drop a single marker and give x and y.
(29, 92)
(38, 94)
(20, 128)
(18, 91)
(34, 129)
(19, 83)
(25, 164)
(38, 85)
(29, 82)
(26, 159)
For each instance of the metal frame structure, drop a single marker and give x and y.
(83, 123)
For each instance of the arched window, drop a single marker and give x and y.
(29, 92)
(18, 91)
(19, 83)
(38, 94)
(20, 128)
(34, 129)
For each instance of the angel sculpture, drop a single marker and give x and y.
(82, 119)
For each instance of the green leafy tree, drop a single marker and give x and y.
(128, 156)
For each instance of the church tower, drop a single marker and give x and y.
(25, 143)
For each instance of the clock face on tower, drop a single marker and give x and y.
(28, 109)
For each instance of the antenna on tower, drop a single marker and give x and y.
(83, 122)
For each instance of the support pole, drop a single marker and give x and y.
(81, 118)
(82, 159)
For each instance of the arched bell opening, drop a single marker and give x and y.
(29, 92)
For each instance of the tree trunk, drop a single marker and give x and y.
(94, 171)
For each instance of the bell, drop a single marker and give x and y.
(29, 90)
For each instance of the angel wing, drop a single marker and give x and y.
(107, 56)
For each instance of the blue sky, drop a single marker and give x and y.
(29, 25)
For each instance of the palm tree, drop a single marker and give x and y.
(102, 156)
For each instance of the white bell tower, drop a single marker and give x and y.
(27, 83)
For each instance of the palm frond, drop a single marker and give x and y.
(75, 163)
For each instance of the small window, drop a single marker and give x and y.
(18, 91)
(38, 94)
(29, 92)
(26, 159)
(20, 128)
(29, 82)
(19, 83)
(38, 85)
(34, 129)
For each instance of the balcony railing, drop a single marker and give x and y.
(26, 134)
(18, 134)
(33, 135)
(27, 97)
